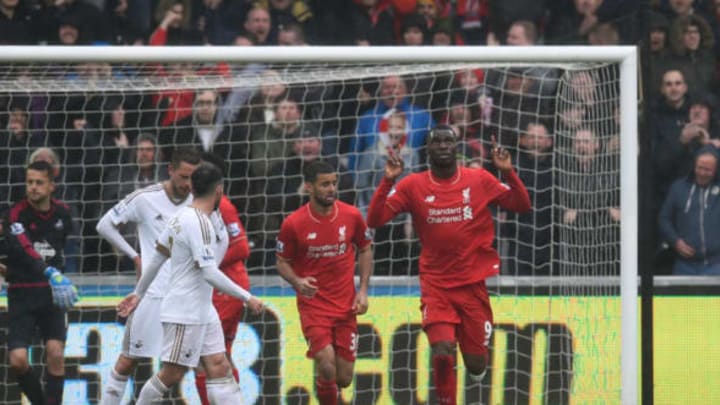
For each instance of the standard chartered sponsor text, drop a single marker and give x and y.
(445, 215)
(444, 211)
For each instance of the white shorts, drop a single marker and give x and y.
(143, 330)
(184, 344)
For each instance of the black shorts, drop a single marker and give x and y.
(31, 308)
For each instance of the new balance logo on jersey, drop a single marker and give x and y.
(312, 236)
(430, 199)
(59, 224)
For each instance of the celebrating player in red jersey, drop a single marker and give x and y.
(316, 256)
(449, 207)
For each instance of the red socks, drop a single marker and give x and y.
(327, 391)
(200, 380)
(445, 379)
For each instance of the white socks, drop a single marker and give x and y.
(220, 391)
(153, 390)
(114, 388)
(478, 377)
(223, 391)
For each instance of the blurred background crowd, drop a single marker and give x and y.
(560, 124)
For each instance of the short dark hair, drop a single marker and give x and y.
(205, 178)
(415, 21)
(185, 154)
(442, 128)
(216, 160)
(287, 97)
(42, 166)
(316, 168)
(527, 121)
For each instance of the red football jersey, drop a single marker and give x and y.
(324, 247)
(233, 263)
(453, 222)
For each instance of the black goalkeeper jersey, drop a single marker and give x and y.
(35, 240)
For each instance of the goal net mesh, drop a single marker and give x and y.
(112, 129)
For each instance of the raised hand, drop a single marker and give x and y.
(63, 291)
(393, 168)
(570, 216)
(501, 157)
(171, 17)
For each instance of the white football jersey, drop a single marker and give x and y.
(222, 234)
(193, 243)
(150, 209)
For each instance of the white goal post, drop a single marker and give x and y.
(624, 56)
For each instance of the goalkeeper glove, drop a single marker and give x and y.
(64, 293)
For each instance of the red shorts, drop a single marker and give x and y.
(461, 314)
(230, 311)
(322, 330)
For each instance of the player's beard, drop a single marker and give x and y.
(38, 199)
(443, 163)
(323, 202)
(178, 192)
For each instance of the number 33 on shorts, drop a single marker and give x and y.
(354, 340)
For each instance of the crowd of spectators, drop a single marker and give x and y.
(560, 124)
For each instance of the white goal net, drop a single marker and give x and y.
(561, 308)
